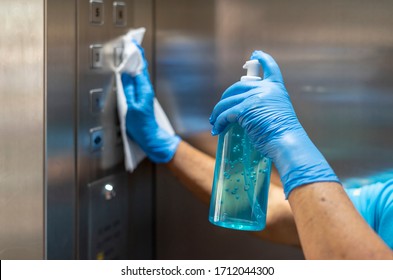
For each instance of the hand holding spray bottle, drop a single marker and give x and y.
(241, 176)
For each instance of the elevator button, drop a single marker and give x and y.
(96, 56)
(96, 139)
(96, 11)
(119, 13)
(96, 100)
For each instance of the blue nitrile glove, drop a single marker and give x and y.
(141, 124)
(263, 108)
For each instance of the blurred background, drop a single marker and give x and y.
(60, 144)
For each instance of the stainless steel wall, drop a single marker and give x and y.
(22, 129)
(53, 173)
(336, 58)
(61, 198)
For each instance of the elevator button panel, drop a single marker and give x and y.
(96, 12)
(104, 227)
(119, 13)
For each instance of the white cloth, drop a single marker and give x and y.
(132, 63)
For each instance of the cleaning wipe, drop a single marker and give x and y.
(133, 64)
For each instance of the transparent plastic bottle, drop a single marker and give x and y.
(241, 177)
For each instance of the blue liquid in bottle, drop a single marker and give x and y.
(241, 177)
(241, 183)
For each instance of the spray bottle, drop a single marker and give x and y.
(241, 176)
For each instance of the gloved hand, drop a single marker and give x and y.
(141, 124)
(263, 108)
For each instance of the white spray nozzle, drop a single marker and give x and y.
(252, 67)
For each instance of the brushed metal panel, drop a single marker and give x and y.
(93, 164)
(97, 163)
(108, 219)
(22, 124)
(61, 114)
(186, 62)
(141, 236)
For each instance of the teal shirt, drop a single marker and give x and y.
(375, 203)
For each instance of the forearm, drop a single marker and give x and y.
(194, 169)
(329, 226)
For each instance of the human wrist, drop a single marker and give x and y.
(299, 162)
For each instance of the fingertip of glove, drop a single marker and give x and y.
(211, 120)
(214, 132)
(256, 54)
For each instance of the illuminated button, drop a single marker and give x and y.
(96, 56)
(96, 11)
(119, 13)
(109, 192)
